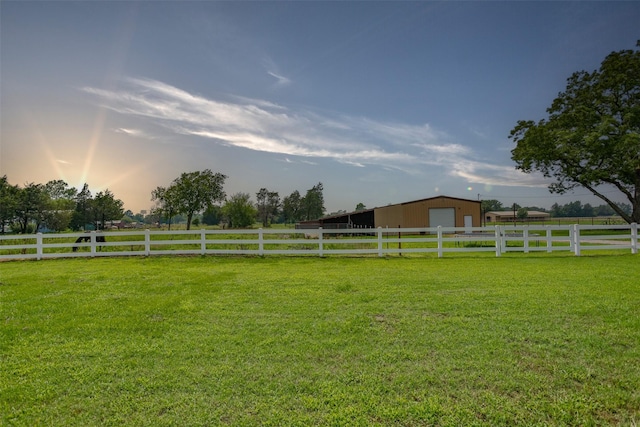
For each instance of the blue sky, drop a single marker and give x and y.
(382, 102)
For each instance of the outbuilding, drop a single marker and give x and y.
(510, 216)
(432, 212)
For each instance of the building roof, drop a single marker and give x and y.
(436, 197)
(510, 213)
(338, 215)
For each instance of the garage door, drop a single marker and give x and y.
(445, 217)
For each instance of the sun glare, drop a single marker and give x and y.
(93, 143)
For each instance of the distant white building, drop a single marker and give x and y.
(508, 216)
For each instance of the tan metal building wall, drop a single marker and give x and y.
(388, 216)
(416, 213)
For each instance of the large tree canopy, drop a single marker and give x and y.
(292, 207)
(267, 205)
(239, 211)
(313, 202)
(592, 135)
(194, 192)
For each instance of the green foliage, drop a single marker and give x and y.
(193, 192)
(592, 135)
(239, 211)
(313, 203)
(491, 205)
(212, 215)
(97, 210)
(297, 208)
(522, 213)
(292, 207)
(8, 202)
(31, 205)
(59, 212)
(166, 203)
(81, 215)
(54, 206)
(267, 205)
(577, 209)
(508, 341)
(105, 207)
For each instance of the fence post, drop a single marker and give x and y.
(93, 243)
(571, 239)
(576, 239)
(440, 243)
(498, 241)
(39, 249)
(525, 236)
(320, 239)
(147, 242)
(634, 238)
(203, 242)
(260, 242)
(380, 241)
(549, 241)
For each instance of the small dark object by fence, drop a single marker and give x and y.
(81, 239)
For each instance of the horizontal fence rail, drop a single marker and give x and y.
(321, 242)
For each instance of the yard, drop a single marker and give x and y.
(200, 340)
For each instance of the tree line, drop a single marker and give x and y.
(54, 206)
(203, 192)
(197, 196)
(568, 210)
(577, 209)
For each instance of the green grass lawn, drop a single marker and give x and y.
(460, 341)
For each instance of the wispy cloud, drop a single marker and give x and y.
(282, 80)
(274, 71)
(485, 173)
(263, 126)
(134, 132)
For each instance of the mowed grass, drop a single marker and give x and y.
(515, 340)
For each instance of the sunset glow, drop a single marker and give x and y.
(382, 102)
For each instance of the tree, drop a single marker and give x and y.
(105, 207)
(31, 207)
(588, 210)
(522, 213)
(491, 205)
(557, 210)
(292, 207)
(81, 215)
(196, 191)
(8, 202)
(166, 203)
(60, 190)
(239, 211)
(360, 207)
(313, 203)
(591, 138)
(61, 205)
(212, 215)
(267, 204)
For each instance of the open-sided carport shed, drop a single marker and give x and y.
(357, 219)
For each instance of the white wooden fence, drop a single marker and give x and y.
(322, 242)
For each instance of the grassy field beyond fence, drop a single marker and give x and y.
(536, 340)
